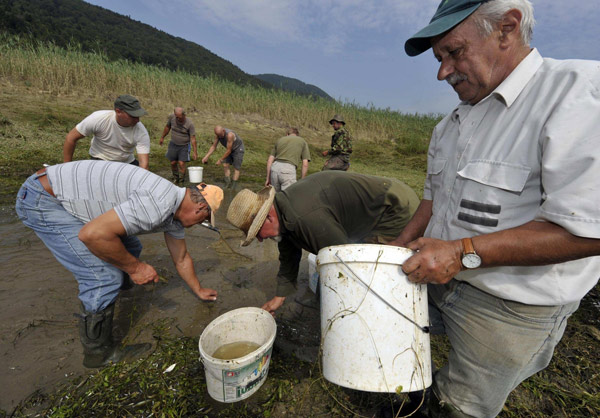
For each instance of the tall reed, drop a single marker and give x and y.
(69, 71)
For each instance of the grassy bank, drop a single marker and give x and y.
(45, 91)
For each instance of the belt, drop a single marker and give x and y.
(43, 179)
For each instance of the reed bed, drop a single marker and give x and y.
(60, 71)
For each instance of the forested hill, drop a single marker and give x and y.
(292, 84)
(97, 29)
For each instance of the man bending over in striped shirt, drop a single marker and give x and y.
(88, 214)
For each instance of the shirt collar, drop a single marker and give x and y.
(516, 81)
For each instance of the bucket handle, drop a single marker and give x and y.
(424, 329)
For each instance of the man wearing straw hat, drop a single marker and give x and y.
(183, 139)
(341, 146)
(88, 214)
(325, 208)
(508, 232)
(116, 134)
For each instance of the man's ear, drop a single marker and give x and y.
(510, 27)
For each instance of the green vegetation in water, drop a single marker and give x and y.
(235, 350)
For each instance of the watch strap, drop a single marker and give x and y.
(468, 246)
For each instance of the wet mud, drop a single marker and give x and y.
(39, 343)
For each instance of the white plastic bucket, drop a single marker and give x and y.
(233, 380)
(367, 345)
(313, 273)
(195, 174)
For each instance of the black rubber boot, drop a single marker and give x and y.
(181, 180)
(99, 349)
(126, 282)
(175, 175)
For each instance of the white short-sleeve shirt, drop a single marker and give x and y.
(111, 141)
(528, 151)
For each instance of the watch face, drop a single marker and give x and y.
(471, 261)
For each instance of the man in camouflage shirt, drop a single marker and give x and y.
(341, 146)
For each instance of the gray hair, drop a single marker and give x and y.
(489, 14)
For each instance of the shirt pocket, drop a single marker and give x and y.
(434, 171)
(491, 194)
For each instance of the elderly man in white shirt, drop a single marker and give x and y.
(507, 234)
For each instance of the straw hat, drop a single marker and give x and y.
(248, 211)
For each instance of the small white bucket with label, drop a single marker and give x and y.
(374, 322)
(195, 174)
(233, 380)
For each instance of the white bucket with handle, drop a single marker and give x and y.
(374, 322)
(195, 174)
(236, 379)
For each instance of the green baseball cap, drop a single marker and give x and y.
(449, 14)
(129, 105)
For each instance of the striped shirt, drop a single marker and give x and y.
(144, 201)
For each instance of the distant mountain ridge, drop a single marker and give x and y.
(293, 84)
(96, 29)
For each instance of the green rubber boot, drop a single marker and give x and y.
(99, 349)
(227, 182)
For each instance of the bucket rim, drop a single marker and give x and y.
(390, 254)
(250, 356)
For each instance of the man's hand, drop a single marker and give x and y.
(325, 153)
(219, 161)
(204, 160)
(274, 304)
(144, 273)
(195, 156)
(207, 294)
(435, 261)
(161, 141)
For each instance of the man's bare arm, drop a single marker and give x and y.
(70, 142)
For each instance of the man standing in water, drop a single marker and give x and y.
(234, 154)
(183, 138)
(88, 214)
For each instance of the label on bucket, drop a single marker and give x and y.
(239, 382)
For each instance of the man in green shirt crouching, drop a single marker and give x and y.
(324, 209)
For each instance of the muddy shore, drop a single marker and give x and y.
(39, 344)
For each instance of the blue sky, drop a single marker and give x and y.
(352, 49)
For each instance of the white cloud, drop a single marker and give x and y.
(324, 24)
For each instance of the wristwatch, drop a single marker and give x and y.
(469, 259)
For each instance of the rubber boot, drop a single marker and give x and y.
(181, 180)
(99, 349)
(234, 185)
(126, 282)
(227, 182)
(175, 176)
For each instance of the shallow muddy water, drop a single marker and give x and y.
(39, 343)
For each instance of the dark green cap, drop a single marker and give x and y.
(449, 14)
(130, 105)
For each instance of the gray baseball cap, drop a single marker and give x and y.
(129, 105)
(449, 14)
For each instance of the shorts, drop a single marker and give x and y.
(283, 175)
(178, 152)
(235, 158)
